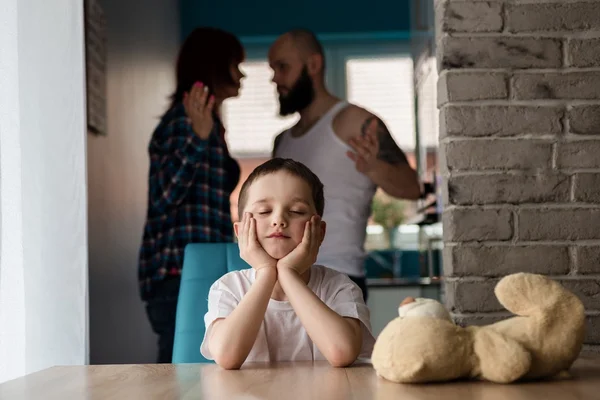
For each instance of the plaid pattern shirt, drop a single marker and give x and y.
(190, 183)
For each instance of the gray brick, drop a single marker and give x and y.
(561, 86)
(495, 154)
(478, 319)
(584, 52)
(438, 21)
(559, 224)
(469, 86)
(444, 187)
(497, 261)
(579, 154)
(555, 16)
(472, 296)
(588, 291)
(499, 52)
(587, 260)
(482, 137)
(592, 325)
(437, 2)
(585, 119)
(470, 17)
(508, 188)
(465, 296)
(592, 329)
(477, 224)
(442, 159)
(498, 121)
(587, 187)
(590, 351)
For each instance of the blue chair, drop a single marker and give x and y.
(203, 264)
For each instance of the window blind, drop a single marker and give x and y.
(384, 86)
(252, 119)
(428, 112)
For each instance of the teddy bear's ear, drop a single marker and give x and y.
(501, 359)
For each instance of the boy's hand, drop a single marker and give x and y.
(251, 250)
(305, 254)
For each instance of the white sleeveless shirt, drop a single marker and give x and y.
(348, 193)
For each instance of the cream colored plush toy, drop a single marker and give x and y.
(541, 341)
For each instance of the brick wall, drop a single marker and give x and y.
(519, 94)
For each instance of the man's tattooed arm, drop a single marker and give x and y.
(394, 173)
(388, 149)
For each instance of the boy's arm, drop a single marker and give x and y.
(337, 337)
(232, 338)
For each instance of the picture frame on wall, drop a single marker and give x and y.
(95, 65)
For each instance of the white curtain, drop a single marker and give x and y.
(43, 228)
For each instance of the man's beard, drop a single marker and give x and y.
(300, 95)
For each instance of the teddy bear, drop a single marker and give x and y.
(542, 340)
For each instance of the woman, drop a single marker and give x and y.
(191, 175)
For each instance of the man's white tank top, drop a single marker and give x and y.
(348, 193)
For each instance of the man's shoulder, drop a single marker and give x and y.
(278, 137)
(352, 112)
(277, 141)
(349, 120)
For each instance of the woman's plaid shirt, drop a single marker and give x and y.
(188, 196)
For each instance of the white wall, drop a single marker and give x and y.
(43, 208)
(143, 40)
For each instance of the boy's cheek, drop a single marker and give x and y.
(299, 232)
(261, 241)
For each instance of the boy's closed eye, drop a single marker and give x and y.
(297, 212)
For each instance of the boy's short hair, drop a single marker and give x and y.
(292, 167)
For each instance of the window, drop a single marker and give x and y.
(384, 86)
(252, 120)
(428, 112)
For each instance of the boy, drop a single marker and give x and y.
(284, 308)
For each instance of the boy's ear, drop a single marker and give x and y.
(323, 230)
(236, 228)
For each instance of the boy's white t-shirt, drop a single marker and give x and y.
(282, 336)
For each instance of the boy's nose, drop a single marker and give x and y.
(278, 221)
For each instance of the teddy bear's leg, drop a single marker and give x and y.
(501, 359)
(527, 294)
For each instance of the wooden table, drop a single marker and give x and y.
(306, 381)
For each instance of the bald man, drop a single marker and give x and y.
(348, 147)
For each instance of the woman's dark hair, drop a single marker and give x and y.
(206, 56)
